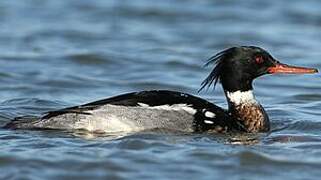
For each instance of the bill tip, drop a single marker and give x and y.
(315, 71)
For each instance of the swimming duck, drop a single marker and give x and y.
(235, 68)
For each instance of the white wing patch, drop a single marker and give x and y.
(210, 114)
(173, 107)
(208, 122)
(143, 104)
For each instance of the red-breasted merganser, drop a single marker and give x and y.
(235, 68)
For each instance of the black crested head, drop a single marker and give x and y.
(237, 67)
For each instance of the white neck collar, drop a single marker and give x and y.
(241, 97)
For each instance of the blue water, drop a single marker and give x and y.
(59, 53)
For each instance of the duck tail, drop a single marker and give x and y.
(23, 122)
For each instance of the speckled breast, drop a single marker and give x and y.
(251, 117)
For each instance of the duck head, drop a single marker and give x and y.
(237, 67)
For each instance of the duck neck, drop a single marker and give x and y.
(247, 111)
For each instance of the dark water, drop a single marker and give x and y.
(59, 53)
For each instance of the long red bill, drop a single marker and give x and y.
(286, 69)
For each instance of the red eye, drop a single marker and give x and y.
(259, 59)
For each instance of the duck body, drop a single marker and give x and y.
(138, 111)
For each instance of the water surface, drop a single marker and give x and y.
(55, 54)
